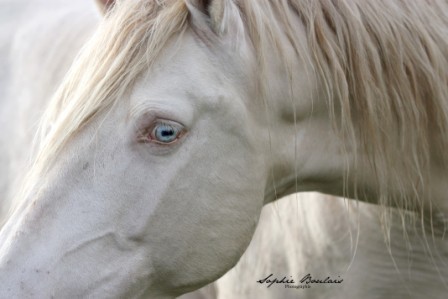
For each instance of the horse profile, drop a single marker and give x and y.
(180, 119)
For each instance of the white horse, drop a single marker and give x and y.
(181, 119)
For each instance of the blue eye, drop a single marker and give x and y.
(166, 132)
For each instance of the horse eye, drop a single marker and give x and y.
(165, 132)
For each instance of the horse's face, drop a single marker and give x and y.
(157, 196)
(196, 162)
(161, 193)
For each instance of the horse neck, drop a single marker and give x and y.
(305, 152)
(309, 154)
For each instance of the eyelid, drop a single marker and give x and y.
(145, 114)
